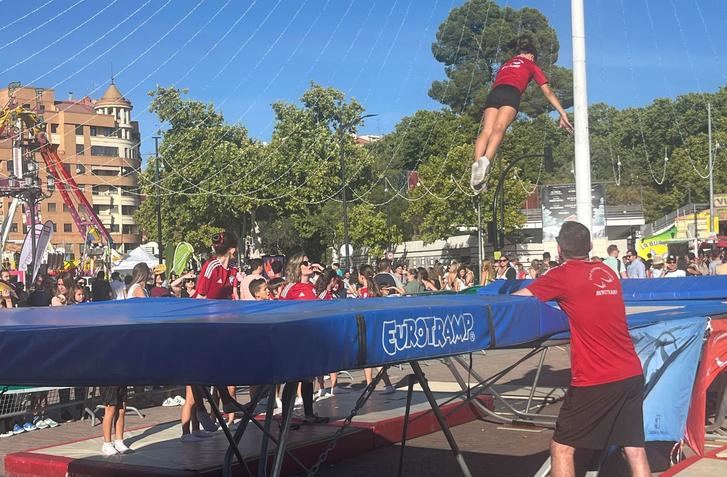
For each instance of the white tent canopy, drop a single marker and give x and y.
(138, 255)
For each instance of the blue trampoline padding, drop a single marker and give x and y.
(649, 289)
(183, 341)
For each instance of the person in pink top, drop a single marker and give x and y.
(256, 273)
(604, 404)
(503, 104)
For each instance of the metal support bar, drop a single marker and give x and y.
(225, 429)
(537, 378)
(262, 465)
(409, 392)
(440, 418)
(288, 404)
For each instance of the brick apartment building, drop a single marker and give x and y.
(99, 146)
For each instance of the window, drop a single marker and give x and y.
(97, 209)
(55, 228)
(128, 209)
(113, 228)
(107, 151)
(80, 150)
(80, 169)
(51, 207)
(127, 190)
(127, 229)
(105, 172)
(67, 228)
(13, 227)
(54, 128)
(66, 208)
(25, 229)
(79, 129)
(10, 165)
(81, 187)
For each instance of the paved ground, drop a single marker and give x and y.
(489, 448)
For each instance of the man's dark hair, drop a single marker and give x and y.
(115, 276)
(546, 256)
(100, 275)
(611, 248)
(276, 266)
(715, 253)
(632, 251)
(574, 239)
(256, 285)
(383, 265)
(255, 263)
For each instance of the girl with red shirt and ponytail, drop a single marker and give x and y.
(503, 104)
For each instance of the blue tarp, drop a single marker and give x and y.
(182, 341)
(669, 353)
(649, 289)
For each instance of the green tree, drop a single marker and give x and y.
(202, 162)
(476, 38)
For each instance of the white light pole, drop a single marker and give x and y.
(584, 208)
(711, 169)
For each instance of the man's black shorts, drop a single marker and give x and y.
(113, 395)
(595, 417)
(503, 95)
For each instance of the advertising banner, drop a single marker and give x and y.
(559, 205)
(656, 244)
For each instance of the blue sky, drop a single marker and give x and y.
(243, 55)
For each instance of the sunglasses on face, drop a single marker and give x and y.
(503, 260)
(305, 263)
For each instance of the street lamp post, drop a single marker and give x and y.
(159, 198)
(342, 131)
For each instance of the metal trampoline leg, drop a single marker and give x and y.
(535, 381)
(288, 405)
(262, 466)
(440, 418)
(225, 429)
(410, 391)
(544, 470)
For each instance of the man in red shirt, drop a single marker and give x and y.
(604, 404)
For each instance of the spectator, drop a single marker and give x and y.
(504, 270)
(118, 288)
(635, 266)
(259, 289)
(535, 269)
(435, 278)
(413, 282)
(101, 288)
(613, 261)
(139, 276)
(5, 279)
(386, 281)
(722, 268)
(487, 272)
(78, 295)
(277, 268)
(715, 262)
(42, 292)
(256, 273)
(424, 279)
(275, 286)
(114, 399)
(546, 257)
(657, 267)
(672, 269)
(64, 284)
(159, 290)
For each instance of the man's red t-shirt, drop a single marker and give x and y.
(215, 281)
(590, 294)
(517, 72)
(299, 291)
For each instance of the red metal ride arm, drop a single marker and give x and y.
(80, 209)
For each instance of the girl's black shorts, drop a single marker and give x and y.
(503, 95)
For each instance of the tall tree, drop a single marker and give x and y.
(476, 38)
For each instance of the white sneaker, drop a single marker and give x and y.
(51, 423)
(169, 402)
(278, 403)
(121, 447)
(479, 171)
(191, 438)
(298, 401)
(7, 434)
(108, 449)
(388, 390)
(203, 434)
(179, 400)
(319, 395)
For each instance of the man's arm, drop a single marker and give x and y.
(523, 292)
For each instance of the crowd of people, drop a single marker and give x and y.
(220, 277)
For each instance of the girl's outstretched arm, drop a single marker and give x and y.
(553, 99)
